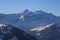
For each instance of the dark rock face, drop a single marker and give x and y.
(11, 32)
(50, 33)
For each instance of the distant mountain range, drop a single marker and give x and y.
(35, 23)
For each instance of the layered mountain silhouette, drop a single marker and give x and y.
(42, 25)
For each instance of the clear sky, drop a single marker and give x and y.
(14, 6)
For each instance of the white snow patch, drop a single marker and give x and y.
(2, 25)
(41, 27)
(22, 17)
(38, 34)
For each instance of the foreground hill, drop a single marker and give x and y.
(8, 32)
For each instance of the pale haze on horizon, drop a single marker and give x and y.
(15, 6)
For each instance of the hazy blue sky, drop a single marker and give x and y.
(14, 6)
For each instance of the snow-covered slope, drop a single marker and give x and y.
(42, 27)
(48, 32)
(28, 20)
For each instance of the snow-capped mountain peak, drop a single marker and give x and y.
(40, 11)
(26, 11)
